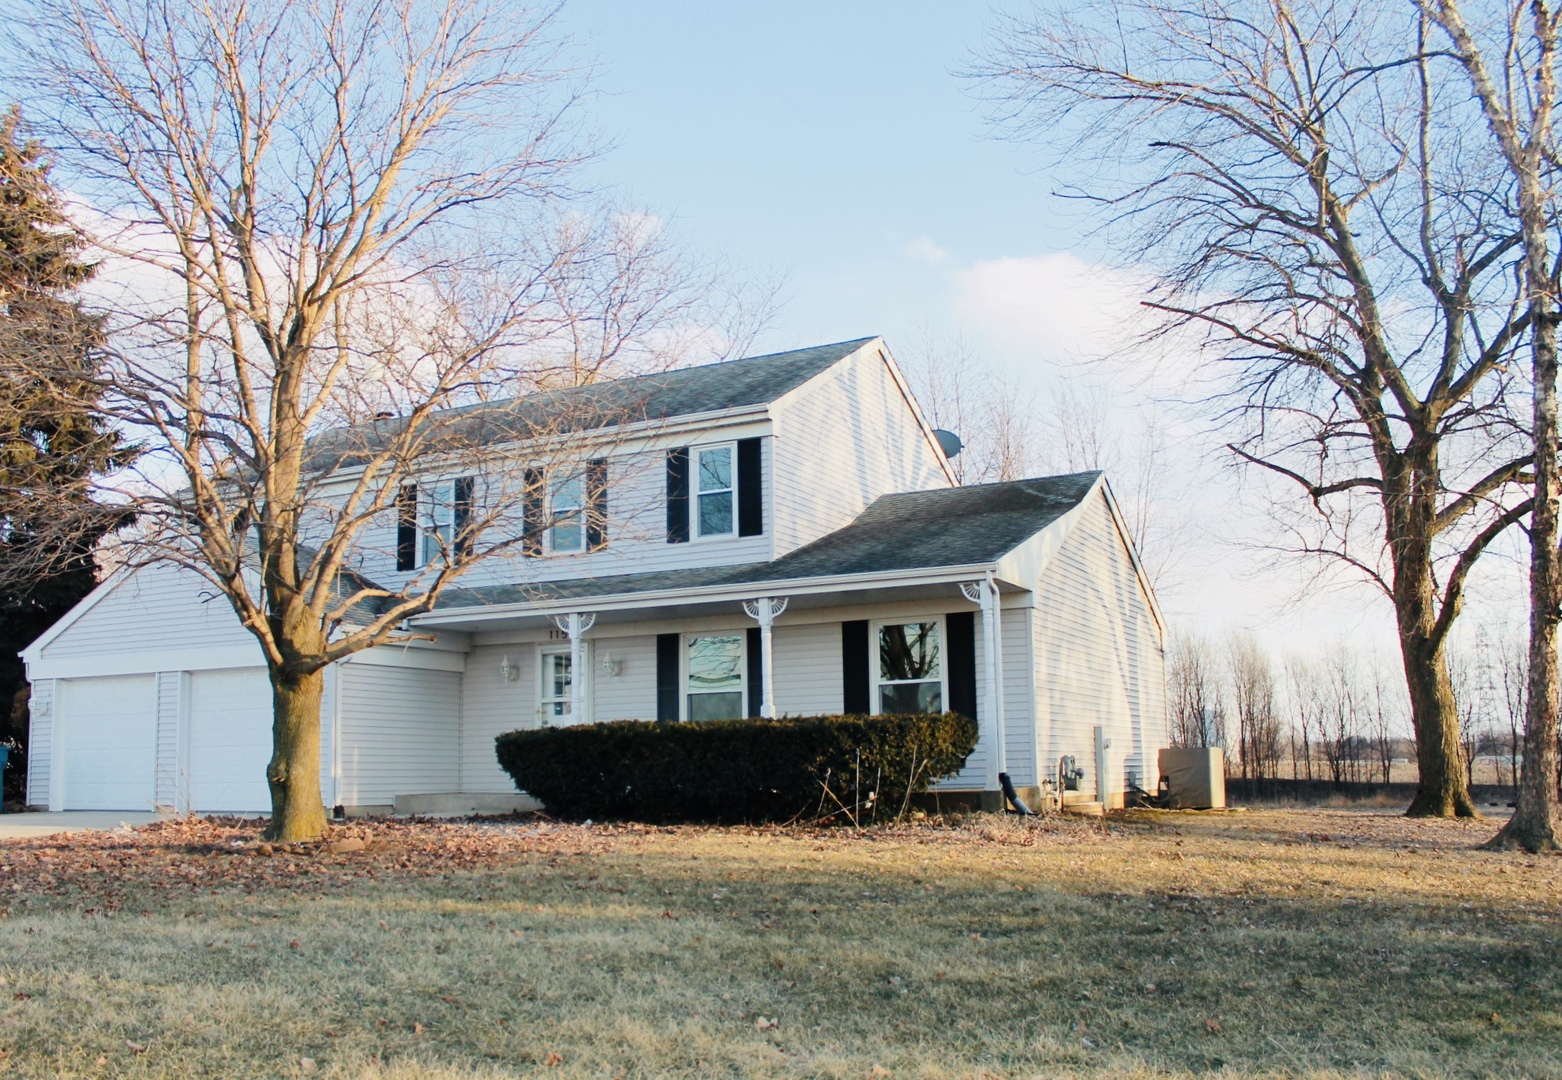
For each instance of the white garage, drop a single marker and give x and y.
(109, 735)
(229, 740)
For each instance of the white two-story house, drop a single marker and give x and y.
(779, 535)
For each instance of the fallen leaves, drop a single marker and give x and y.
(100, 870)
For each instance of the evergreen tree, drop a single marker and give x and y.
(52, 439)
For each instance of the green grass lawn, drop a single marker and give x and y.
(1268, 943)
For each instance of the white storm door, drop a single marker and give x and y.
(555, 685)
(109, 742)
(229, 740)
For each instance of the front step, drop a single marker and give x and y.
(1078, 802)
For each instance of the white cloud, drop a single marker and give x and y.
(923, 249)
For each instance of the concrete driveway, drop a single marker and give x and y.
(27, 826)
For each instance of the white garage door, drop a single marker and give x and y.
(109, 735)
(230, 740)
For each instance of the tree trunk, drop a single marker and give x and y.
(297, 810)
(1535, 825)
(1441, 790)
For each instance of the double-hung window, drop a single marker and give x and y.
(910, 671)
(439, 525)
(567, 514)
(713, 676)
(713, 472)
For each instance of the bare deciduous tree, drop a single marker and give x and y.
(1194, 693)
(1322, 226)
(1304, 688)
(1510, 59)
(339, 214)
(960, 392)
(1251, 677)
(1513, 675)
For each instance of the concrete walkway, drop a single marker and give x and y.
(27, 826)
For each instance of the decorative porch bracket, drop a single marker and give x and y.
(575, 625)
(764, 611)
(985, 593)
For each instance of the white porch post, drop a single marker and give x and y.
(764, 611)
(985, 592)
(575, 625)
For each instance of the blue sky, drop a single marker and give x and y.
(831, 142)
(836, 144)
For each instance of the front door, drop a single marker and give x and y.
(554, 686)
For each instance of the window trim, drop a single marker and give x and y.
(581, 511)
(683, 670)
(695, 532)
(875, 681)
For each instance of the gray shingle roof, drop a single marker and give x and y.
(914, 530)
(733, 384)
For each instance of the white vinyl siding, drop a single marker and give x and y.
(636, 527)
(631, 694)
(807, 662)
(492, 707)
(156, 609)
(401, 733)
(40, 740)
(841, 441)
(1019, 695)
(1099, 656)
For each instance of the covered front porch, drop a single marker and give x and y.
(886, 643)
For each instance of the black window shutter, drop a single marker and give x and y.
(407, 527)
(596, 505)
(854, 668)
(961, 650)
(532, 525)
(751, 489)
(756, 673)
(667, 676)
(462, 517)
(678, 495)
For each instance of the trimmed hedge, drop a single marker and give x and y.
(737, 770)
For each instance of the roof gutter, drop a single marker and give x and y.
(708, 594)
(585, 438)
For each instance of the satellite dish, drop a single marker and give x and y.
(949, 441)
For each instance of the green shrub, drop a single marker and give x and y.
(737, 770)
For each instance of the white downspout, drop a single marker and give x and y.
(985, 593)
(1000, 716)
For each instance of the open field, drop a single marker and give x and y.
(1265, 943)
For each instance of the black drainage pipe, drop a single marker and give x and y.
(1013, 797)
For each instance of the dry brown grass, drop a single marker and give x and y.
(1266, 943)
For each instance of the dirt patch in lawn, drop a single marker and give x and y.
(1329, 943)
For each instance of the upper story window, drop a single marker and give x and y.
(714, 490)
(566, 514)
(433, 522)
(439, 520)
(565, 510)
(910, 671)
